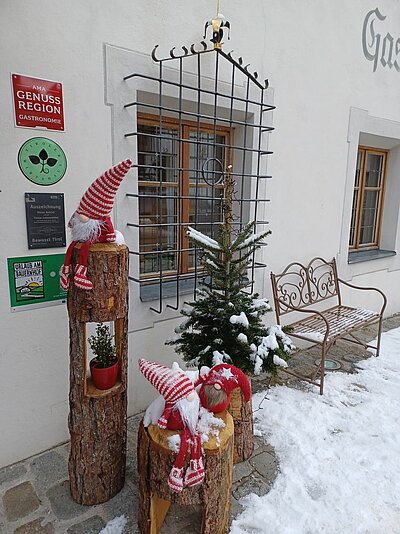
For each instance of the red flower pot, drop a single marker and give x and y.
(103, 377)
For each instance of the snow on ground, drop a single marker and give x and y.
(115, 526)
(339, 454)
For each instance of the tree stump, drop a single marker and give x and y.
(155, 461)
(98, 419)
(242, 414)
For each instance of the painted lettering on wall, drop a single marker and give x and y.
(38, 103)
(378, 47)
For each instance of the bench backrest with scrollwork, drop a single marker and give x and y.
(300, 286)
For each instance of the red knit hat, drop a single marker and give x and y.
(228, 377)
(172, 385)
(98, 201)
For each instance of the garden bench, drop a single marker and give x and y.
(299, 287)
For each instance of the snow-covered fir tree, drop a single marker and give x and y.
(225, 323)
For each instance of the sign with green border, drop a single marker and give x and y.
(42, 161)
(35, 282)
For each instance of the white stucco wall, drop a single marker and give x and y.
(325, 91)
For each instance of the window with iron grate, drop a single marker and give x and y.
(181, 167)
(202, 110)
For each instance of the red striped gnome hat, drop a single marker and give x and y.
(98, 201)
(228, 377)
(173, 385)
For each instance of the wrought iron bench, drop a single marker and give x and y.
(299, 287)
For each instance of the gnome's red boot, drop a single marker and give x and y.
(80, 279)
(175, 479)
(195, 472)
(64, 277)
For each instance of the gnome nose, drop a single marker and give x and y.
(217, 386)
(83, 218)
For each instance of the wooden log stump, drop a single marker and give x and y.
(155, 461)
(98, 419)
(242, 414)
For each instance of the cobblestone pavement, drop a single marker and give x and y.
(35, 495)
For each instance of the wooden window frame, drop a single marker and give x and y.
(362, 188)
(183, 208)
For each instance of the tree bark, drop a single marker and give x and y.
(155, 461)
(98, 419)
(242, 414)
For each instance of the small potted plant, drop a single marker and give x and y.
(104, 366)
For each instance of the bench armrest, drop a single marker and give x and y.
(353, 286)
(307, 310)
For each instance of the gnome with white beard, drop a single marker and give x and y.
(91, 223)
(181, 412)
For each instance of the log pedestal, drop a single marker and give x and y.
(98, 419)
(242, 414)
(155, 461)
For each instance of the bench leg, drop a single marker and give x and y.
(378, 341)
(322, 378)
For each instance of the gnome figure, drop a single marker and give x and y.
(181, 412)
(217, 383)
(91, 223)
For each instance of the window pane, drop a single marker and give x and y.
(374, 170)
(368, 217)
(207, 158)
(158, 155)
(205, 210)
(353, 218)
(154, 212)
(358, 168)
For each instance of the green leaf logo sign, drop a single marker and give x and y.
(43, 160)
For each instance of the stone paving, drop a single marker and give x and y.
(35, 495)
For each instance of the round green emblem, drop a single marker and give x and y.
(42, 161)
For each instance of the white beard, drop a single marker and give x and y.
(84, 231)
(189, 411)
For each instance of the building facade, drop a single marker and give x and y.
(332, 100)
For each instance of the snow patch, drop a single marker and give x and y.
(313, 336)
(279, 361)
(209, 425)
(338, 453)
(174, 442)
(203, 239)
(115, 526)
(239, 319)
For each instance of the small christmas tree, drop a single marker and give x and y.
(225, 323)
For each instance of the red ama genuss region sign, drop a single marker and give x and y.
(37, 103)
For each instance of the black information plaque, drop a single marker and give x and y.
(45, 220)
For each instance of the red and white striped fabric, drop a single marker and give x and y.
(172, 385)
(80, 278)
(98, 200)
(195, 473)
(64, 277)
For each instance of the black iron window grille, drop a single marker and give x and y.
(201, 136)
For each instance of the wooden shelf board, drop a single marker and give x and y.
(92, 391)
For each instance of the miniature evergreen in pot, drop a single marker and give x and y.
(104, 367)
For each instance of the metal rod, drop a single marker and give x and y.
(178, 238)
(192, 197)
(150, 166)
(221, 95)
(191, 114)
(257, 180)
(183, 224)
(222, 145)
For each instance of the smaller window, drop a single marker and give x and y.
(368, 196)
